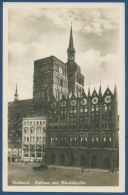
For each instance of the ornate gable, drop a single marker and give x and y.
(107, 92)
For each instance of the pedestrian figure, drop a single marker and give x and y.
(112, 171)
(82, 169)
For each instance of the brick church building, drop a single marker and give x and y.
(81, 129)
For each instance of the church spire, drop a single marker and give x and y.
(100, 91)
(89, 90)
(16, 94)
(71, 50)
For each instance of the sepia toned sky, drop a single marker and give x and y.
(38, 32)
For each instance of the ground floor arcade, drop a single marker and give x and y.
(91, 158)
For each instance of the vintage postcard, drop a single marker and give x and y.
(63, 97)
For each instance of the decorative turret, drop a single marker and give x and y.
(116, 108)
(16, 94)
(71, 50)
(89, 90)
(115, 93)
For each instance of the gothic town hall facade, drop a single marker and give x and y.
(81, 129)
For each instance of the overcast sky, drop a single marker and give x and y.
(35, 33)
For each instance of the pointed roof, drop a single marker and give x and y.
(73, 95)
(100, 91)
(115, 89)
(53, 99)
(94, 93)
(83, 95)
(107, 92)
(71, 46)
(89, 90)
(63, 97)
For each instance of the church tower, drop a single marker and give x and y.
(75, 78)
(16, 94)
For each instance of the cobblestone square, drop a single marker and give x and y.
(20, 174)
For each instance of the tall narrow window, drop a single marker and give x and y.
(38, 94)
(61, 82)
(94, 140)
(43, 94)
(49, 78)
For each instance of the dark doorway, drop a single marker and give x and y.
(82, 161)
(106, 163)
(62, 159)
(13, 159)
(71, 160)
(53, 159)
(93, 162)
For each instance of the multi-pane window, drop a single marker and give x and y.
(105, 108)
(86, 109)
(39, 139)
(53, 141)
(26, 130)
(73, 140)
(107, 140)
(94, 140)
(63, 141)
(32, 130)
(83, 140)
(32, 139)
(42, 94)
(49, 78)
(97, 108)
(92, 109)
(38, 94)
(26, 139)
(38, 129)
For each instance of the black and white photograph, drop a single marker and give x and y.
(64, 97)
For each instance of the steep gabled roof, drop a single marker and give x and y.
(20, 106)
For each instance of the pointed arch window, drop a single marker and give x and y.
(53, 140)
(72, 140)
(63, 140)
(107, 140)
(94, 140)
(83, 140)
(43, 94)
